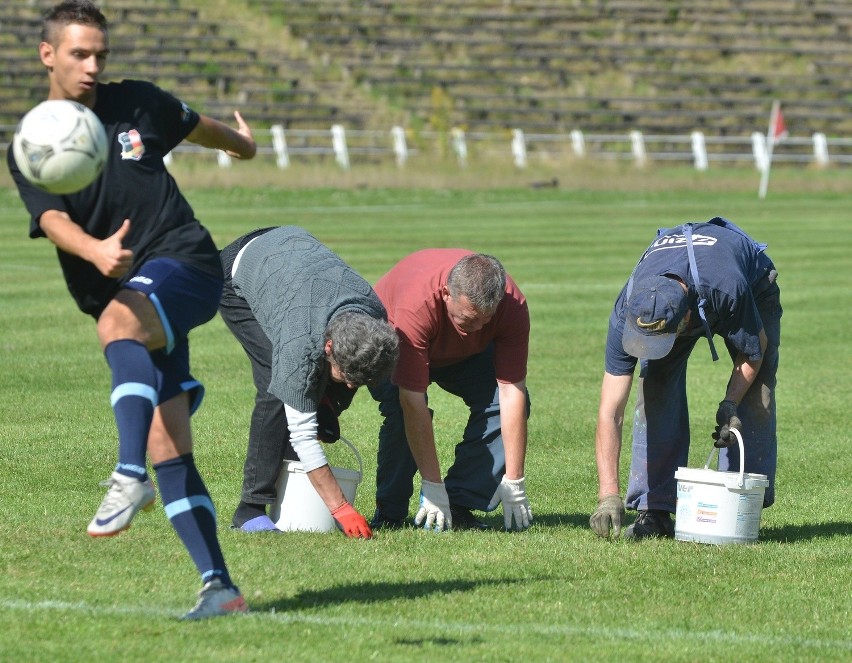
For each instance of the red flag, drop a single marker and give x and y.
(779, 128)
(775, 133)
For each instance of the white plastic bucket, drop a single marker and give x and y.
(299, 507)
(719, 507)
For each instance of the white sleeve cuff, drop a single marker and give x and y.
(303, 438)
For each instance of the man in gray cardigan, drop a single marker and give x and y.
(314, 332)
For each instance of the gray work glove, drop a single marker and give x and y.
(610, 512)
(726, 419)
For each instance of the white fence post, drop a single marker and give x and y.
(758, 148)
(519, 148)
(459, 145)
(223, 159)
(695, 147)
(400, 147)
(637, 143)
(578, 142)
(338, 143)
(699, 150)
(279, 144)
(820, 149)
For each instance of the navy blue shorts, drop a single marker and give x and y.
(184, 298)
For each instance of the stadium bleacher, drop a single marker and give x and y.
(549, 55)
(614, 65)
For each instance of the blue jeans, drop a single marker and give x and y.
(480, 461)
(661, 420)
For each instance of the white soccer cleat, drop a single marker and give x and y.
(125, 497)
(216, 600)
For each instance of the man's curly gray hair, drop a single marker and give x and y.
(364, 348)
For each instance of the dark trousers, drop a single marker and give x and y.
(480, 460)
(661, 420)
(269, 436)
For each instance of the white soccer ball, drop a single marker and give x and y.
(60, 146)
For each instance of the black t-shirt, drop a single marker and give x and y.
(143, 123)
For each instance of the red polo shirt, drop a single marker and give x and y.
(411, 293)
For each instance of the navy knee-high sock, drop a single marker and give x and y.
(192, 514)
(133, 399)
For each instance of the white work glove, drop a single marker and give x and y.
(434, 507)
(512, 493)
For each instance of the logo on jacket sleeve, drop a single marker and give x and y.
(132, 146)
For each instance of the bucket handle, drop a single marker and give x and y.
(741, 477)
(357, 455)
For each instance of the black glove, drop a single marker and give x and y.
(726, 419)
(328, 426)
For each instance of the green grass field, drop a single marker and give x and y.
(553, 593)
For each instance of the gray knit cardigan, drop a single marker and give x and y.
(295, 285)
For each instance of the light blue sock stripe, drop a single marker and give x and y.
(130, 467)
(188, 504)
(133, 389)
(164, 320)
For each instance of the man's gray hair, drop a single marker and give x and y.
(479, 277)
(364, 348)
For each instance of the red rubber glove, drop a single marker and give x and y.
(353, 524)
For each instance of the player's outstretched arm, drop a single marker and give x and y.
(108, 255)
(217, 135)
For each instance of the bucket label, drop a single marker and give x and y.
(748, 514)
(707, 512)
(712, 513)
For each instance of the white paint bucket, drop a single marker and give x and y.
(299, 507)
(719, 507)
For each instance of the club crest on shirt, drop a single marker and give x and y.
(132, 146)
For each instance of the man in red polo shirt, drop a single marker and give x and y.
(463, 324)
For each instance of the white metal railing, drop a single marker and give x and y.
(353, 146)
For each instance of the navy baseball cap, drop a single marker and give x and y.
(656, 306)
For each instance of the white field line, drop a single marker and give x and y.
(348, 209)
(446, 627)
(440, 206)
(435, 206)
